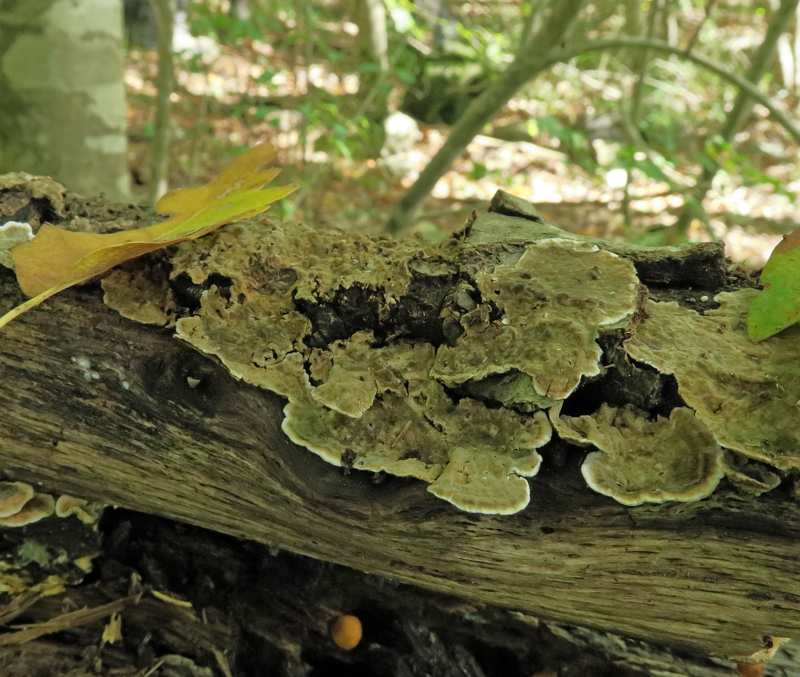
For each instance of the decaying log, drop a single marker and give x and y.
(101, 407)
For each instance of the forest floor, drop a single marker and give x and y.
(219, 109)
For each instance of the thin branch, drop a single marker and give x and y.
(741, 105)
(525, 66)
(524, 69)
(710, 64)
(692, 40)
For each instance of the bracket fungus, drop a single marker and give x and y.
(553, 303)
(86, 512)
(37, 507)
(643, 461)
(14, 495)
(474, 456)
(458, 399)
(357, 401)
(748, 394)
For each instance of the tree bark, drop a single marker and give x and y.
(58, 115)
(103, 408)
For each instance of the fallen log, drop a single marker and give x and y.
(105, 408)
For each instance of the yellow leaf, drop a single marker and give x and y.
(57, 259)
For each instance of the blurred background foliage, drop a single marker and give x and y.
(360, 95)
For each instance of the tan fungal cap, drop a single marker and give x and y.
(14, 495)
(38, 507)
(487, 482)
(642, 461)
(79, 507)
(747, 475)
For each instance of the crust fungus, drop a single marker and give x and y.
(748, 394)
(138, 295)
(642, 461)
(553, 303)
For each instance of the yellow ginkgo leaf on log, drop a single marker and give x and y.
(57, 259)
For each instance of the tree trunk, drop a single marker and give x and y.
(58, 116)
(164, 11)
(114, 411)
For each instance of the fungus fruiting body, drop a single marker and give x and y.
(20, 505)
(462, 405)
(376, 403)
(14, 495)
(12, 233)
(750, 669)
(346, 631)
(645, 461)
(38, 507)
(554, 300)
(86, 512)
(748, 394)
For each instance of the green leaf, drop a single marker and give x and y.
(405, 76)
(477, 172)
(342, 148)
(778, 305)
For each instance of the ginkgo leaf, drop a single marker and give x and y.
(56, 259)
(778, 305)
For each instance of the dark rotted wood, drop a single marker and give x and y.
(270, 613)
(98, 406)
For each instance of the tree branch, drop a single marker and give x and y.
(525, 69)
